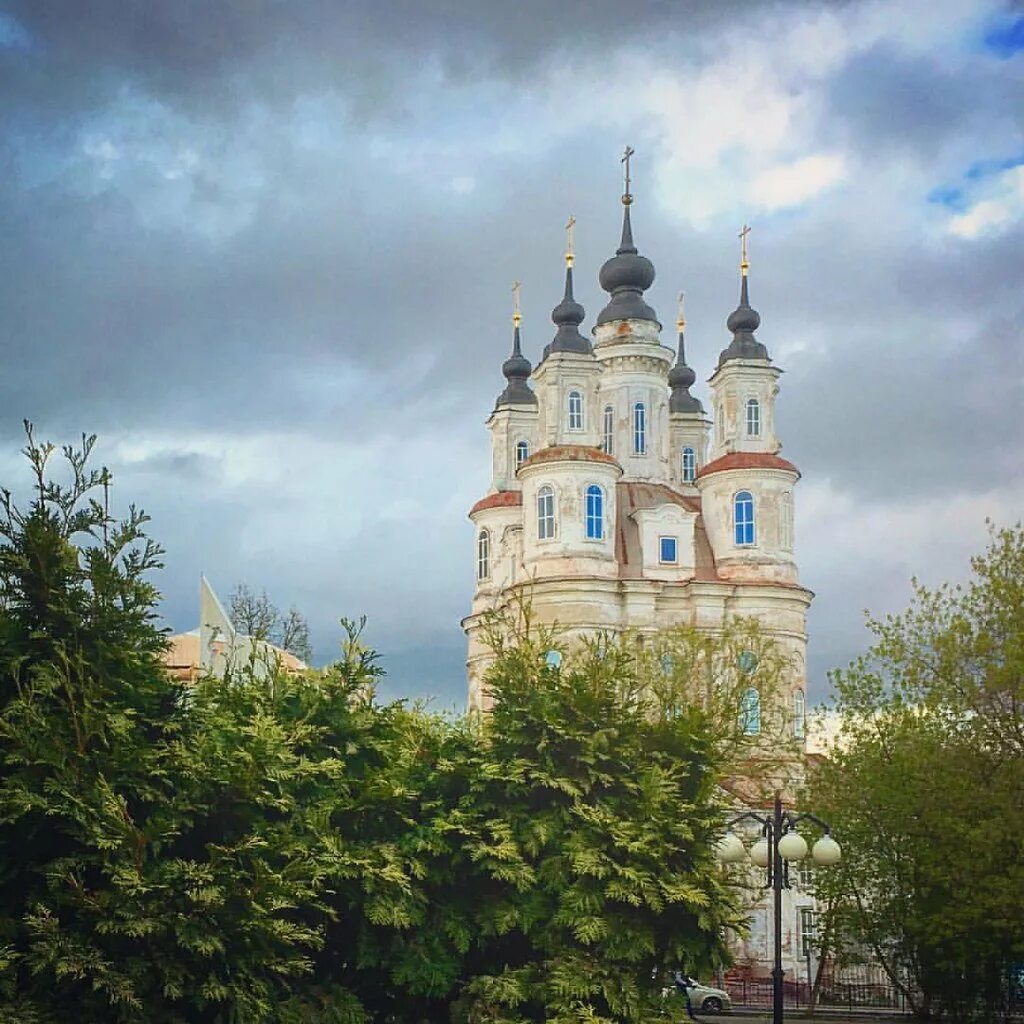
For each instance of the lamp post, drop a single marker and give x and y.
(779, 845)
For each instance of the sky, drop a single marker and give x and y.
(265, 250)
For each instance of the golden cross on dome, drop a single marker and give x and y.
(516, 314)
(569, 253)
(627, 197)
(681, 322)
(744, 262)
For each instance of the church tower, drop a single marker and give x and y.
(615, 503)
(747, 489)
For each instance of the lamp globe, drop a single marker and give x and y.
(729, 849)
(760, 854)
(792, 846)
(826, 852)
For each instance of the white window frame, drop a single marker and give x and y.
(608, 430)
(639, 428)
(574, 403)
(689, 465)
(483, 554)
(786, 522)
(548, 531)
(521, 445)
(799, 715)
(753, 406)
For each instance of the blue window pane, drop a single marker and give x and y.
(669, 551)
(522, 453)
(553, 659)
(750, 712)
(595, 513)
(743, 517)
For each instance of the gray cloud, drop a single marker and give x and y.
(271, 245)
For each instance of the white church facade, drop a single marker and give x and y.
(617, 501)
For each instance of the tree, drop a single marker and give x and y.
(164, 856)
(926, 786)
(257, 616)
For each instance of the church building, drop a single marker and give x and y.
(617, 501)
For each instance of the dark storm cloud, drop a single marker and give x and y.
(297, 224)
(920, 104)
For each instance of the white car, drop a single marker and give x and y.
(709, 1000)
(703, 998)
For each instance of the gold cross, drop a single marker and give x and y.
(569, 253)
(516, 315)
(627, 198)
(681, 322)
(744, 262)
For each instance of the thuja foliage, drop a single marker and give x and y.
(926, 787)
(275, 847)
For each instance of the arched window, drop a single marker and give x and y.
(522, 453)
(608, 429)
(639, 429)
(750, 711)
(575, 410)
(743, 517)
(483, 555)
(595, 513)
(799, 714)
(753, 418)
(689, 465)
(545, 513)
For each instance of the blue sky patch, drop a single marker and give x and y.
(952, 198)
(13, 35)
(1006, 38)
(986, 168)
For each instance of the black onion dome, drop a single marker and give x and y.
(517, 371)
(626, 276)
(567, 317)
(680, 379)
(743, 321)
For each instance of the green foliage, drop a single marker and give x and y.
(926, 788)
(275, 847)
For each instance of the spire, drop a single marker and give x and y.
(627, 274)
(568, 314)
(681, 376)
(743, 320)
(517, 367)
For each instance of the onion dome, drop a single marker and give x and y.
(567, 317)
(626, 276)
(681, 377)
(517, 372)
(743, 320)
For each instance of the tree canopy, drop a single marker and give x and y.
(926, 787)
(282, 847)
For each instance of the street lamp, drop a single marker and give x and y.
(780, 844)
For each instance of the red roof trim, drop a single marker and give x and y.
(569, 453)
(747, 460)
(502, 499)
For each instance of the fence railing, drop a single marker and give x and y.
(852, 996)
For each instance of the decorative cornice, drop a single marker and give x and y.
(747, 460)
(570, 453)
(501, 499)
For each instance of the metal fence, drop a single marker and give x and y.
(837, 994)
